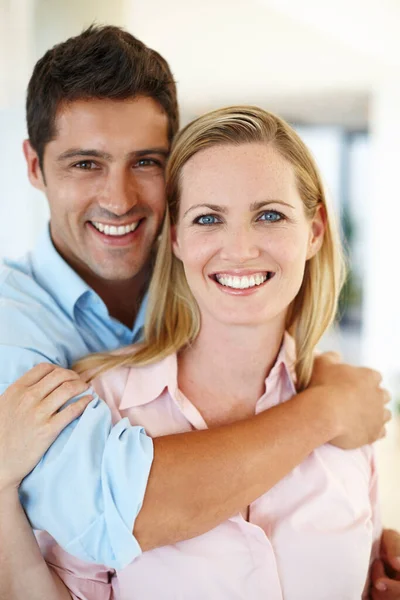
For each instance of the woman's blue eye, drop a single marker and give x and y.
(271, 216)
(207, 220)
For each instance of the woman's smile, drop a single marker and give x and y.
(238, 282)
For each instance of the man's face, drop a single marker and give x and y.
(104, 180)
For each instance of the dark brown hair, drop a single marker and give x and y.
(102, 62)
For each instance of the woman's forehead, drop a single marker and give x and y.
(250, 170)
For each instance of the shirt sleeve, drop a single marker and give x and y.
(85, 581)
(89, 486)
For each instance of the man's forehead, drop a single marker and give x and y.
(135, 124)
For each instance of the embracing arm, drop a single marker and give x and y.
(23, 572)
(201, 478)
(197, 480)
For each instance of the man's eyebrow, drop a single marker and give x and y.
(92, 153)
(164, 152)
(83, 152)
(253, 207)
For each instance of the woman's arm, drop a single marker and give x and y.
(23, 571)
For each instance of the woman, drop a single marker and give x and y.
(246, 282)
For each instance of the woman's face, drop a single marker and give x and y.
(242, 233)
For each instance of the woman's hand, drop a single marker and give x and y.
(356, 399)
(30, 421)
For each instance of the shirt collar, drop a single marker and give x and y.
(145, 384)
(60, 280)
(138, 326)
(286, 361)
(55, 275)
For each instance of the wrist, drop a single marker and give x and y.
(321, 403)
(9, 494)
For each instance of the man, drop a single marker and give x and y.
(101, 113)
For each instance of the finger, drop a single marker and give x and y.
(390, 548)
(68, 414)
(382, 433)
(387, 415)
(52, 381)
(66, 391)
(36, 374)
(373, 376)
(378, 575)
(387, 396)
(389, 588)
(331, 356)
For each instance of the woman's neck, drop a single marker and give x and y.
(224, 371)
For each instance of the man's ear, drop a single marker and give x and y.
(175, 242)
(34, 171)
(317, 232)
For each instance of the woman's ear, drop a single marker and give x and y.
(317, 231)
(175, 242)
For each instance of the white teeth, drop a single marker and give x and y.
(241, 282)
(114, 230)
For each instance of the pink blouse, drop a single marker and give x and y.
(311, 537)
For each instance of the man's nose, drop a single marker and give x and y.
(239, 245)
(121, 193)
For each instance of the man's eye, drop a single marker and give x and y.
(207, 220)
(271, 216)
(86, 165)
(148, 162)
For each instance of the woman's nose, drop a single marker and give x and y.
(239, 245)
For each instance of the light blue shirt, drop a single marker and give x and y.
(89, 486)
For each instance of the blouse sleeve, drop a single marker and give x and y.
(85, 581)
(376, 518)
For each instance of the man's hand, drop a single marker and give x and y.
(30, 421)
(356, 398)
(385, 572)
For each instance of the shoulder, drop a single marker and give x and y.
(111, 385)
(18, 286)
(131, 386)
(33, 327)
(23, 302)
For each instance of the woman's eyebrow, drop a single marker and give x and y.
(258, 205)
(214, 207)
(254, 206)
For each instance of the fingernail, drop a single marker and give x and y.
(381, 586)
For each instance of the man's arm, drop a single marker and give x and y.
(201, 478)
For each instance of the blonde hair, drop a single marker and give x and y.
(173, 318)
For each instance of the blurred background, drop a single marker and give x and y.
(331, 69)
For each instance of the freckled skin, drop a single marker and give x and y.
(234, 178)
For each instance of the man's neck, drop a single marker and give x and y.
(122, 298)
